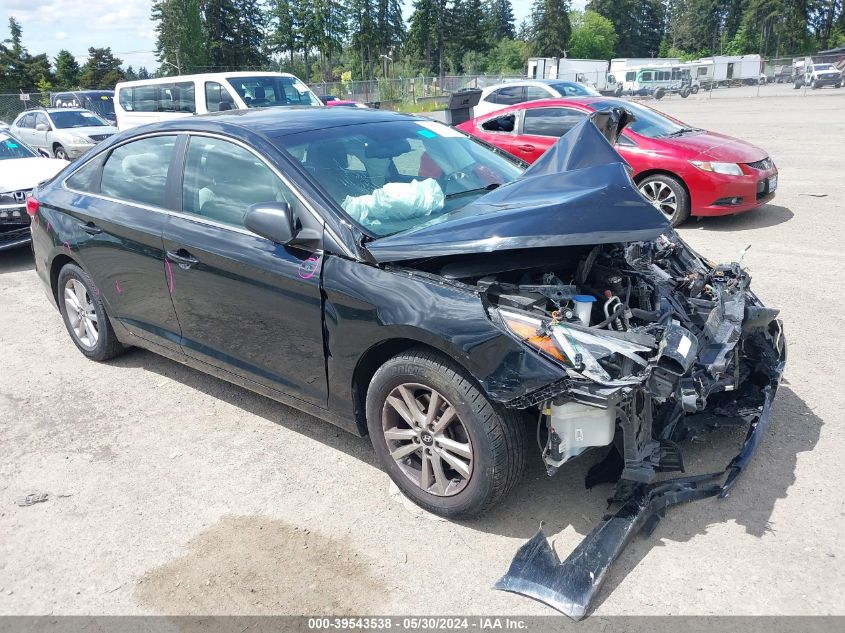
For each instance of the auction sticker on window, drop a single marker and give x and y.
(438, 129)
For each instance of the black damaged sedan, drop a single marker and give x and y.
(391, 275)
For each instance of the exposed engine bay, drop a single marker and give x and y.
(650, 334)
(658, 345)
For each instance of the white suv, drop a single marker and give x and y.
(65, 133)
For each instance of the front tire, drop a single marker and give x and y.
(60, 153)
(442, 442)
(668, 195)
(84, 315)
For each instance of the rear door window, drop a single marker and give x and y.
(511, 95)
(550, 121)
(533, 93)
(178, 96)
(217, 98)
(137, 171)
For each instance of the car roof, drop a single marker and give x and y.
(201, 77)
(274, 122)
(557, 101)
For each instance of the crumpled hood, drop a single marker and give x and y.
(578, 193)
(717, 147)
(24, 173)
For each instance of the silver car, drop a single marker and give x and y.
(65, 133)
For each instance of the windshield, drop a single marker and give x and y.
(10, 147)
(263, 92)
(574, 90)
(75, 118)
(397, 175)
(649, 123)
(102, 104)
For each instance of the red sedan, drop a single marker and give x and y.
(683, 170)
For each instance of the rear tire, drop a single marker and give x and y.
(487, 439)
(85, 316)
(668, 195)
(659, 93)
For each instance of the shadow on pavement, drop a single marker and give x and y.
(562, 501)
(16, 260)
(251, 402)
(765, 216)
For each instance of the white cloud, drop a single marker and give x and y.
(59, 36)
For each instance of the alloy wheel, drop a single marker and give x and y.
(427, 440)
(81, 314)
(661, 196)
(61, 153)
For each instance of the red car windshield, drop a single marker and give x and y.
(649, 123)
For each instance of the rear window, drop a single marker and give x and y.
(179, 96)
(550, 121)
(137, 171)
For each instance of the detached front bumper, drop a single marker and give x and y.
(570, 586)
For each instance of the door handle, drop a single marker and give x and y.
(91, 229)
(183, 258)
(527, 148)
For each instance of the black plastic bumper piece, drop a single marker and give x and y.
(571, 586)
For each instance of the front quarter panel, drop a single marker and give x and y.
(366, 306)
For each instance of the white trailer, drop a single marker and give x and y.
(724, 69)
(619, 65)
(587, 71)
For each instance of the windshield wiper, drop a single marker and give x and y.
(683, 130)
(458, 194)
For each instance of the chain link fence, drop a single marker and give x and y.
(421, 94)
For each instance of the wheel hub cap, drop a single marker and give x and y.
(661, 196)
(81, 314)
(427, 440)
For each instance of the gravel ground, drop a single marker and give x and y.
(174, 492)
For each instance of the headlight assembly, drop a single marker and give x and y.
(729, 169)
(577, 347)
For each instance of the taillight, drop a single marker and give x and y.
(32, 205)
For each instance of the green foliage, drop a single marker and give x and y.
(593, 36)
(44, 87)
(180, 42)
(67, 70)
(102, 70)
(509, 57)
(550, 28)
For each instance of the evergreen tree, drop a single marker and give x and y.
(143, 73)
(550, 28)
(67, 70)
(422, 41)
(220, 20)
(248, 51)
(284, 34)
(639, 24)
(180, 41)
(102, 70)
(500, 21)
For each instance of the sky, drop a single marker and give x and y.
(123, 25)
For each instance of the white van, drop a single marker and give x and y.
(151, 100)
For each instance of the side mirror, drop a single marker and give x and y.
(273, 220)
(43, 152)
(42, 127)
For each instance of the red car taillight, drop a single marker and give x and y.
(32, 205)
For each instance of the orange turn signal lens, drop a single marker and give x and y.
(528, 332)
